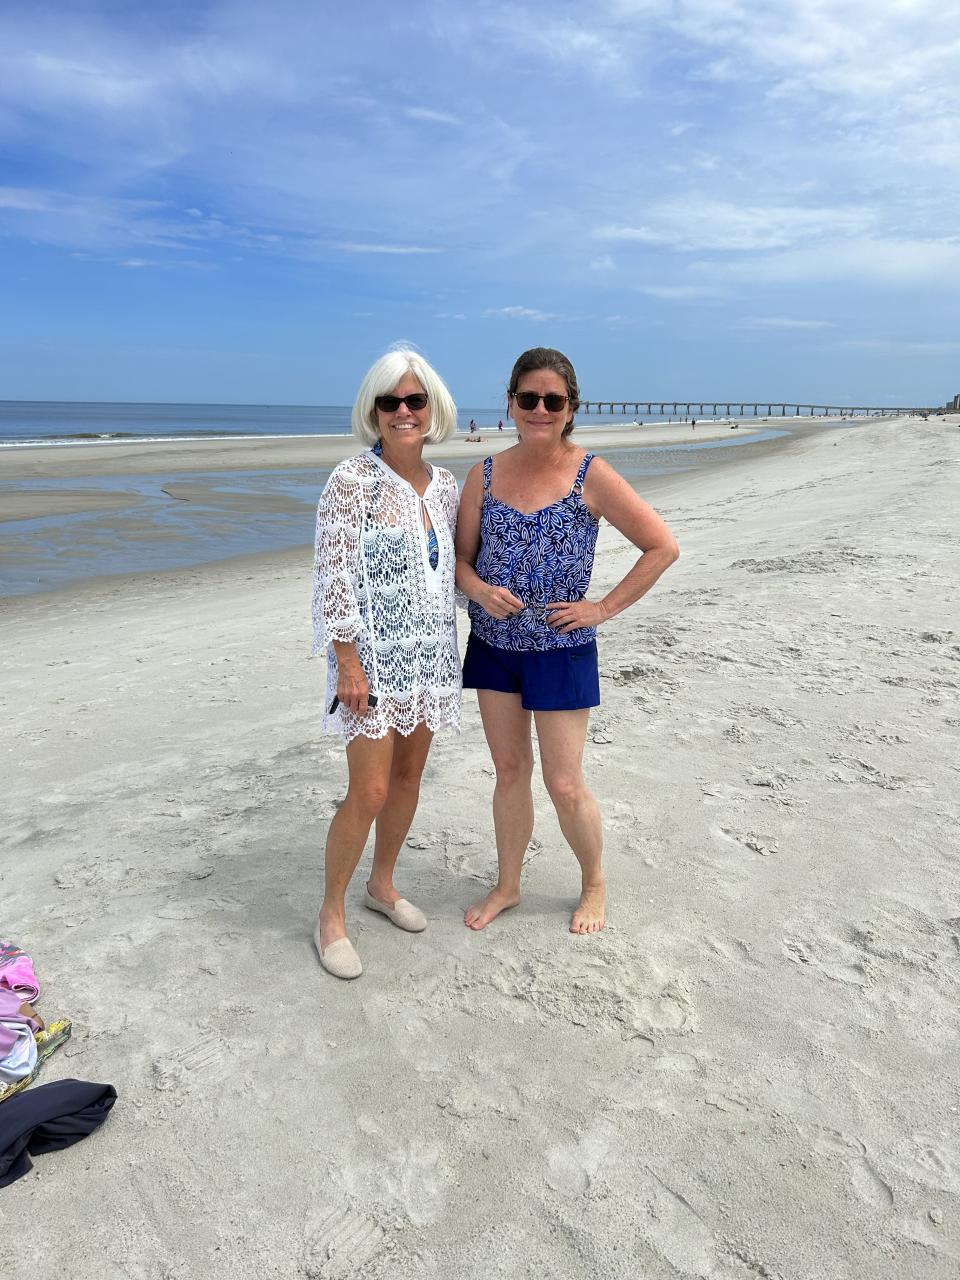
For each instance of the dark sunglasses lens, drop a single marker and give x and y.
(390, 404)
(553, 402)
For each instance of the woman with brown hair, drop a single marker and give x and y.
(526, 535)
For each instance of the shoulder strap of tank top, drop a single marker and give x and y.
(582, 474)
(487, 473)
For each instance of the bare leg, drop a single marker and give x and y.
(394, 819)
(368, 762)
(561, 735)
(507, 729)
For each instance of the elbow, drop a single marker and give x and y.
(674, 550)
(460, 568)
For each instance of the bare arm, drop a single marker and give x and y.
(609, 496)
(497, 601)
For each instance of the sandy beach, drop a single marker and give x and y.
(752, 1073)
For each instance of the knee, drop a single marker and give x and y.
(513, 770)
(566, 790)
(407, 780)
(368, 796)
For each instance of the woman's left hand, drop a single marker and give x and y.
(570, 615)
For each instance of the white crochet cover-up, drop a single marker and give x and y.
(373, 584)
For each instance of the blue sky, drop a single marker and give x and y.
(241, 201)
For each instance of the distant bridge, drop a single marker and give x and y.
(740, 408)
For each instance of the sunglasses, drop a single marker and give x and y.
(527, 400)
(390, 404)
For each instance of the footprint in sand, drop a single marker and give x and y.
(341, 1244)
(414, 1038)
(480, 1098)
(202, 1060)
(930, 1159)
(414, 1181)
(572, 1168)
(869, 1185)
(867, 1182)
(805, 953)
(676, 1230)
(608, 990)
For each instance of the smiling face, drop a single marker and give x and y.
(538, 425)
(403, 430)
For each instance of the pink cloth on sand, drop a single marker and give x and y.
(18, 1049)
(16, 972)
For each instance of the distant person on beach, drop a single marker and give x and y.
(500, 425)
(383, 613)
(525, 544)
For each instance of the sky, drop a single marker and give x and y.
(249, 202)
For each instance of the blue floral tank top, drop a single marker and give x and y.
(542, 557)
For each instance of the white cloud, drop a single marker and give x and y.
(680, 292)
(431, 117)
(692, 224)
(521, 313)
(786, 322)
(562, 41)
(930, 265)
(399, 249)
(106, 222)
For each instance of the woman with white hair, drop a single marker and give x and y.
(383, 612)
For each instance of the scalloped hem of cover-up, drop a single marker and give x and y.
(378, 723)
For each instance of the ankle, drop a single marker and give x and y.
(381, 889)
(504, 890)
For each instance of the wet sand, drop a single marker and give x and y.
(74, 513)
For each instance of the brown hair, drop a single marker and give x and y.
(548, 358)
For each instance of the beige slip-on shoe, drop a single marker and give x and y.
(340, 958)
(403, 913)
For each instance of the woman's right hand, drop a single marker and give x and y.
(499, 602)
(352, 688)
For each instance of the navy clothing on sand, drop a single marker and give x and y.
(48, 1118)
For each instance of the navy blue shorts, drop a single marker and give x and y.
(547, 680)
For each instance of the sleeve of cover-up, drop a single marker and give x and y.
(336, 564)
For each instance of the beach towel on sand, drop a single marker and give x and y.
(49, 1118)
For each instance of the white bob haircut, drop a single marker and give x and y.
(381, 379)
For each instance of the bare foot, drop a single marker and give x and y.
(588, 917)
(481, 913)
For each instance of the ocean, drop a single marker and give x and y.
(63, 422)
